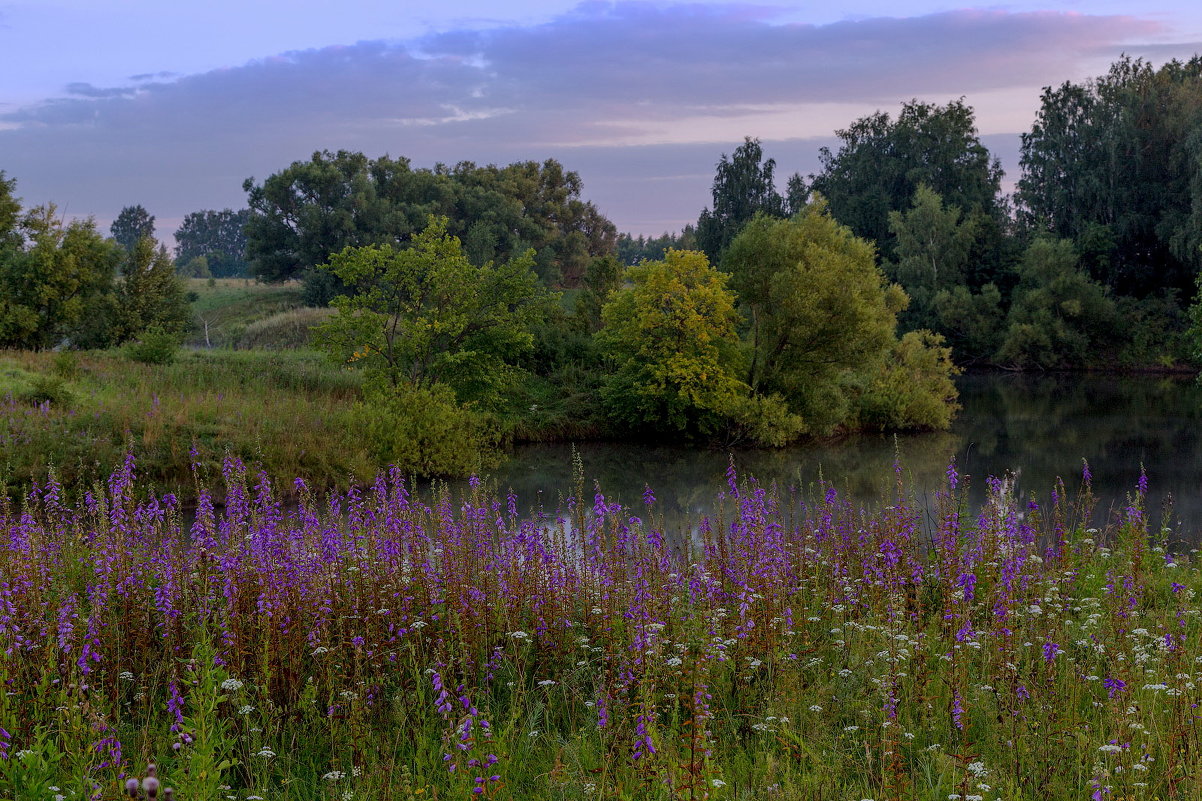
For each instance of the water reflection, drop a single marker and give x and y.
(1039, 427)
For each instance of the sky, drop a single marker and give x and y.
(108, 103)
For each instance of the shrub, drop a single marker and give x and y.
(154, 346)
(51, 389)
(425, 431)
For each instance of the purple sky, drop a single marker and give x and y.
(105, 103)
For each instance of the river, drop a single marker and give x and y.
(1038, 427)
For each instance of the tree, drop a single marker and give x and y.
(131, 225)
(821, 316)
(425, 315)
(881, 163)
(1114, 165)
(671, 336)
(632, 250)
(10, 216)
(150, 295)
(217, 237)
(53, 280)
(932, 251)
(1059, 317)
(602, 279)
(743, 187)
(311, 209)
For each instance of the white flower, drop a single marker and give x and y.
(125, 675)
(519, 635)
(334, 776)
(230, 685)
(717, 783)
(266, 753)
(815, 708)
(1111, 748)
(321, 649)
(246, 709)
(547, 683)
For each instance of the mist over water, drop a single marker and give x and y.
(1038, 427)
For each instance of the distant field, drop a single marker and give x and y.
(243, 313)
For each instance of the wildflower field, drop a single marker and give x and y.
(380, 645)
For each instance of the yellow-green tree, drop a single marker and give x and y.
(671, 335)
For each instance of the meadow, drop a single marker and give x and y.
(79, 413)
(379, 643)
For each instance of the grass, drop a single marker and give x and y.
(225, 309)
(381, 645)
(287, 411)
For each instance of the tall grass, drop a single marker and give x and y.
(377, 644)
(288, 411)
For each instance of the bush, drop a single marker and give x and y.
(425, 431)
(49, 389)
(913, 388)
(155, 346)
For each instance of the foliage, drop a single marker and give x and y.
(912, 387)
(48, 286)
(671, 336)
(217, 237)
(149, 296)
(154, 345)
(818, 309)
(426, 315)
(1059, 317)
(931, 254)
(133, 224)
(972, 322)
(310, 210)
(602, 279)
(426, 431)
(631, 250)
(881, 163)
(743, 187)
(1114, 165)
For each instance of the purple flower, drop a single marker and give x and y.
(1113, 686)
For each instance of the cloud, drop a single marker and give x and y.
(587, 86)
(88, 90)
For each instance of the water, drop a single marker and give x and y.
(1039, 427)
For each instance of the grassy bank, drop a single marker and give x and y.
(444, 648)
(79, 413)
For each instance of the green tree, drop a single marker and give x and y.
(819, 310)
(150, 294)
(882, 161)
(634, 249)
(1114, 165)
(50, 284)
(602, 279)
(671, 336)
(743, 187)
(312, 209)
(1058, 317)
(973, 323)
(218, 237)
(426, 315)
(932, 251)
(131, 225)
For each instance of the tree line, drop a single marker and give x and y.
(1093, 260)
